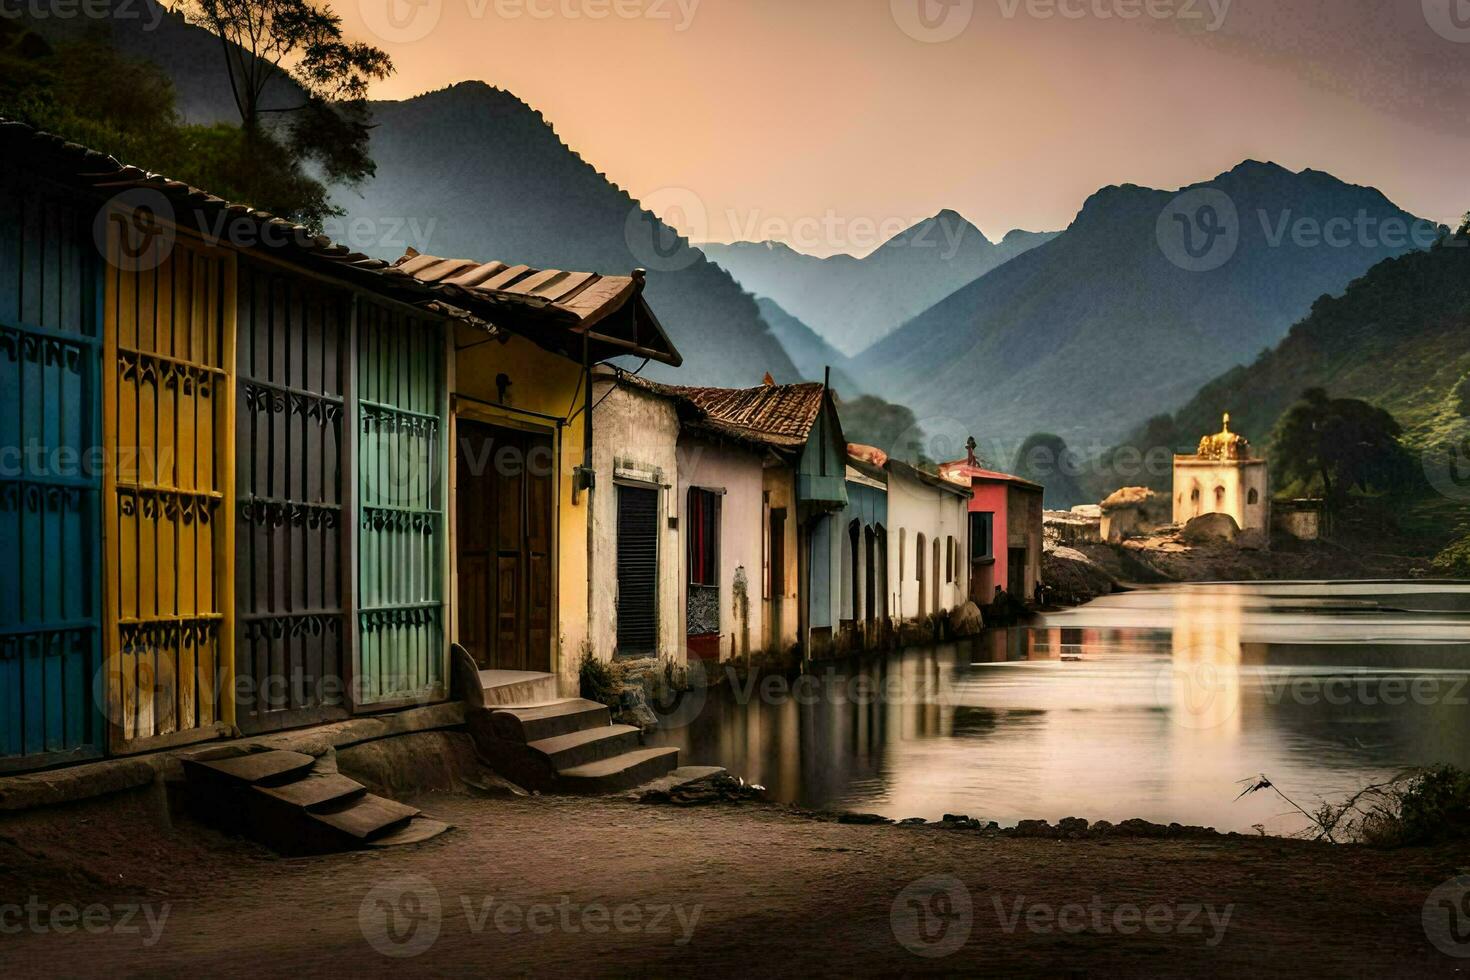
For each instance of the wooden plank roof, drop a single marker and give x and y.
(778, 416)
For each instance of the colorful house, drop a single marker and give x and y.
(1005, 531)
(928, 570)
(230, 508)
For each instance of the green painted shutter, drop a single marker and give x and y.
(402, 409)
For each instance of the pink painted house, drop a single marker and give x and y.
(1005, 530)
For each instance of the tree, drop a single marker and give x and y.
(1342, 443)
(295, 51)
(1045, 459)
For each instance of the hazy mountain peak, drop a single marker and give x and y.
(948, 227)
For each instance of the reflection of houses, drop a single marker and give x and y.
(1223, 478)
(1005, 530)
(270, 536)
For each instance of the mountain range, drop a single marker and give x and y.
(471, 171)
(1147, 295)
(1399, 338)
(855, 302)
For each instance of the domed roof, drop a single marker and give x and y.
(1224, 444)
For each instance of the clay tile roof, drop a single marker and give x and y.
(780, 416)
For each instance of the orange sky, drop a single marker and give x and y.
(822, 122)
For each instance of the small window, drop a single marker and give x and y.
(919, 558)
(1194, 495)
(949, 559)
(703, 515)
(1254, 497)
(982, 536)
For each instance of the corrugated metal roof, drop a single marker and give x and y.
(552, 308)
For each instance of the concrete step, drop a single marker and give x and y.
(619, 772)
(516, 688)
(578, 748)
(531, 724)
(416, 831)
(316, 790)
(366, 818)
(250, 769)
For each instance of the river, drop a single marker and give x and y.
(1155, 704)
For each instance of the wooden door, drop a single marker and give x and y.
(169, 416)
(290, 538)
(50, 531)
(777, 552)
(402, 409)
(504, 498)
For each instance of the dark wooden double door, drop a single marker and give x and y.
(505, 494)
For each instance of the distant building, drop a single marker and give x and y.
(1005, 529)
(1222, 477)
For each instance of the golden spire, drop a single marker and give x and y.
(1224, 444)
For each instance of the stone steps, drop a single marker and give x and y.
(620, 772)
(291, 803)
(549, 743)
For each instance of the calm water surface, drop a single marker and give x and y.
(1152, 704)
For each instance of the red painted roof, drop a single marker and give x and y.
(961, 468)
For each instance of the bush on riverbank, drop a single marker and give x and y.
(1429, 807)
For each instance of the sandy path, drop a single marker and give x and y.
(550, 886)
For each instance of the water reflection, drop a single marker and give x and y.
(1151, 704)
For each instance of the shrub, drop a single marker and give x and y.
(1432, 805)
(1455, 560)
(598, 683)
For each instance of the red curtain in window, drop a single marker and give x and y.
(704, 537)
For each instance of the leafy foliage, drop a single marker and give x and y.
(1454, 561)
(1345, 443)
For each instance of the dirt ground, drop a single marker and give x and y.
(559, 887)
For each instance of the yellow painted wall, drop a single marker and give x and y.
(546, 384)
